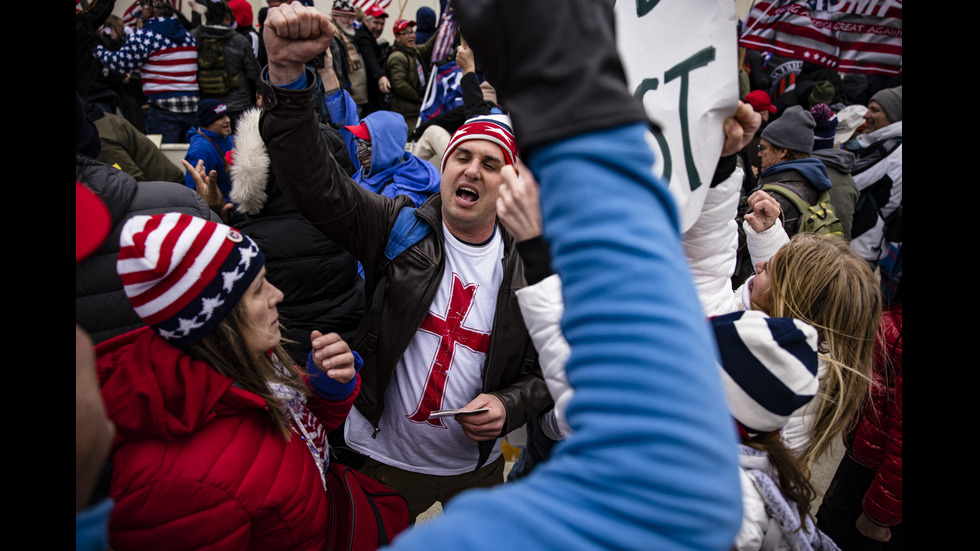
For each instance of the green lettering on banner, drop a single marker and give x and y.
(681, 70)
(647, 85)
(643, 7)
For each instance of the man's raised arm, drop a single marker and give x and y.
(305, 169)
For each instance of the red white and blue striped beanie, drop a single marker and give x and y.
(493, 128)
(768, 368)
(184, 274)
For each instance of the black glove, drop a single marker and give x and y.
(553, 63)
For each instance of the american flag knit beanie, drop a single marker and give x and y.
(184, 274)
(768, 368)
(493, 128)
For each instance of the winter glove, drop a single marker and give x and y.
(553, 63)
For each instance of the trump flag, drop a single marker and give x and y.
(850, 36)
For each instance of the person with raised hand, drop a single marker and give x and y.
(441, 329)
(221, 440)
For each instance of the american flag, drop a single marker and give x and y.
(851, 36)
(365, 4)
(446, 94)
(444, 40)
(132, 13)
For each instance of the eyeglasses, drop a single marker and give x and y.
(406, 32)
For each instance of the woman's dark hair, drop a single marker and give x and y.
(226, 351)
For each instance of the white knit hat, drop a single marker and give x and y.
(769, 367)
(184, 274)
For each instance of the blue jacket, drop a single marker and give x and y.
(395, 171)
(200, 148)
(426, 26)
(652, 463)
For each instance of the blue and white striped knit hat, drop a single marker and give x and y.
(769, 367)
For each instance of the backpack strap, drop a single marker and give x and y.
(530, 358)
(867, 157)
(385, 185)
(221, 154)
(813, 218)
(892, 222)
(793, 197)
(407, 231)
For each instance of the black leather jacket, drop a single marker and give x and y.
(360, 222)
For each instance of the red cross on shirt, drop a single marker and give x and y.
(451, 332)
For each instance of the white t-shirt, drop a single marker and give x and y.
(441, 369)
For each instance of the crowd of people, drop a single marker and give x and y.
(310, 335)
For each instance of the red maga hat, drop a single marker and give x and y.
(376, 12)
(401, 24)
(759, 100)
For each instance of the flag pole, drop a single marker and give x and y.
(756, 22)
(428, 91)
(438, 50)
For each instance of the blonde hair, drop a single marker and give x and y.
(226, 351)
(819, 279)
(794, 480)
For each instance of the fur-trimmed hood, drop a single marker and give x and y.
(250, 171)
(253, 181)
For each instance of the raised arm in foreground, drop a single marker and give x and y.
(652, 461)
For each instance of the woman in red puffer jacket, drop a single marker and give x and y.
(222, 441)
(863, 505)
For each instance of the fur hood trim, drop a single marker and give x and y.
(250, 171)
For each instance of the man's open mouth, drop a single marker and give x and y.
(467, 194)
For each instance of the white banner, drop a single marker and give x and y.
(681, 60)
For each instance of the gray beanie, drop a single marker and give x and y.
(890, 101)
(793, 130)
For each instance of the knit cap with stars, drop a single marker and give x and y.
(184, 274)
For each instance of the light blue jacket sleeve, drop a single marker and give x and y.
(343, 112)
(652, 462)
(341, 108)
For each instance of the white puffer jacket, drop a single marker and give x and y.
(542, 307)
(711, 244)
